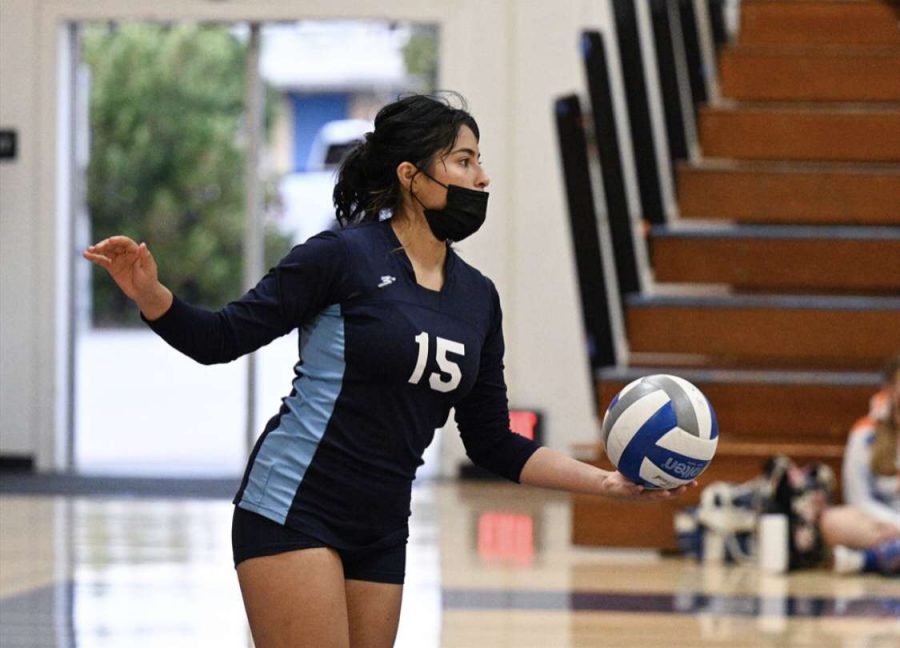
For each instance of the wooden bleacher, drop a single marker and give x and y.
(787, 259)
(799, 191)
(832, 22)
(774, 193)
(777, 331)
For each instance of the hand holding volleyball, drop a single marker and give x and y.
(660, 431)
(617, 486)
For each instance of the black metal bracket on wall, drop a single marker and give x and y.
(607, 145)
(667, 72)
(595, 301)
(643, 141)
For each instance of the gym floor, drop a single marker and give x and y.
(488, 565)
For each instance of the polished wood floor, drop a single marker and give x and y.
(488, 565)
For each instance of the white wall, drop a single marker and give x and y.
(510, 58)
(18, 206)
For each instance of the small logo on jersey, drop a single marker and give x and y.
(386, 280)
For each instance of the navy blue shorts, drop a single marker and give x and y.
(253, 535)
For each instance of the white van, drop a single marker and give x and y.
(306, 197)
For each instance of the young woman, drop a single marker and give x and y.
(865, 532)
(395, 330)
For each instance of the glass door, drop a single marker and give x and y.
(165, 128)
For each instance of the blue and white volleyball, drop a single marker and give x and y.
(660, 431)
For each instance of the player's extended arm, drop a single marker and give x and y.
(548, 468)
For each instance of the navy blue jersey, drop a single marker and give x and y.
(382, 361)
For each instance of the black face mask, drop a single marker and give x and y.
(465, 212)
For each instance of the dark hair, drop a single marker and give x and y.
(884, 443)
(412, 129)
(891, 367)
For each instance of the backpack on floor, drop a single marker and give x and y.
(721, 528)
(802, 493)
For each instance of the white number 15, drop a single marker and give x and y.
(451, 369)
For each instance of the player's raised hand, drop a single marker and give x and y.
(130, 265)
(134, 270)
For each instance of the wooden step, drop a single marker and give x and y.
(598, 521)
(786, 331)
(780, 258)
(810, 74)
(830, 132)
(762, 406)
(761, 192)
(830, 22)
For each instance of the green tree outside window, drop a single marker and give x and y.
(167, 158)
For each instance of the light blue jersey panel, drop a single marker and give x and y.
(287, 450)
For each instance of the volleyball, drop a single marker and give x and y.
(660, 431)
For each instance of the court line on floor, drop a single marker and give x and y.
(32, 602)
(676, 603)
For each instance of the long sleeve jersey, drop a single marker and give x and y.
(382, 360)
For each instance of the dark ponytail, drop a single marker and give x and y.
(412, 129)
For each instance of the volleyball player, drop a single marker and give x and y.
(865, 532)
(395, 330)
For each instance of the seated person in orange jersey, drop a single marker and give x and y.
(865, 532)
